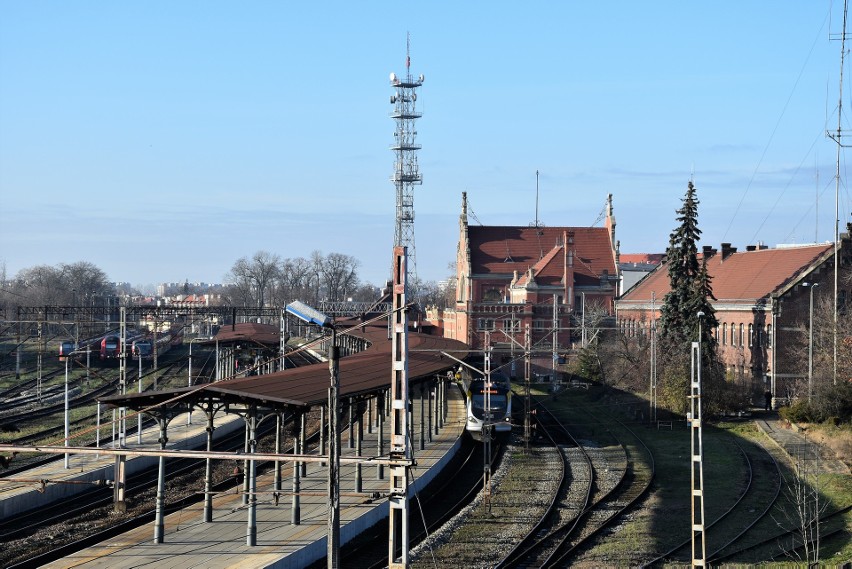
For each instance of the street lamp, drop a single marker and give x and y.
(811, 339)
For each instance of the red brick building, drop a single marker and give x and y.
(763, 300)
(511, 277)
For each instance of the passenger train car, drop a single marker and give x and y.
(111, 344)
(489, 403)
(144, 347)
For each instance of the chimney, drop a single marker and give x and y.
(708, 251)
(751, 247)
(727, 250)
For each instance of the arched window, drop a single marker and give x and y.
(769, 336)
(750, 335)
(725, 334)
(742, 335)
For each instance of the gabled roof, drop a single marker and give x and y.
(548, 271)
(749, 275)
(501, 250)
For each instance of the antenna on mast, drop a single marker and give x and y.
(536, 198)
(837, 138)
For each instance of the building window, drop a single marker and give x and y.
(492, 294)
(769, 336)
(511, 325)
(486, 324)
(750, 335)
(725, 334)
(742, 336)
(541, 324)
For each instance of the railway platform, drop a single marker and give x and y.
(52, 482)
(280, 543)
(796, 445)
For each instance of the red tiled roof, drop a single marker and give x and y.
(501, 250)
(748, 275)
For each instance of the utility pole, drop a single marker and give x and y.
(836, 136)
(699, 554)
(400, 447)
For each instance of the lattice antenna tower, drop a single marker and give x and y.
(406, 173)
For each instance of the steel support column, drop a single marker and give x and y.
(251, 477)
(208, 468)
(296, 510)
(160, 513)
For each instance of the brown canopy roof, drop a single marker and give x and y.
(360, 374)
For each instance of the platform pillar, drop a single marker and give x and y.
(251, 477)
(380, 440)
(359, 437)
(322, 433)
(276, 478)
(246, 464)
(302, 428)
(429, 413)
(296, 510)
(422, 418)
(208, 470)
(160, 511)
(442, 388)
(351, 440)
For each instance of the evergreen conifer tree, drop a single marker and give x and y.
(690, 285)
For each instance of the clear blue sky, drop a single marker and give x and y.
(164, 140)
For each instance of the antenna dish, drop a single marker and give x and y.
(393, 77)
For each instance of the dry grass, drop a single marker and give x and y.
(838, 440)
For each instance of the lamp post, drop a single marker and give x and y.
(811, 339)
(139, 417)
(67, 410)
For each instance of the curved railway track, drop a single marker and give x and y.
(760, 494)
(623, 473)
(568, 502)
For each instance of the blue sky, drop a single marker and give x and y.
(164, 140)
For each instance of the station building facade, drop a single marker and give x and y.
(762, 305)
(510, 279)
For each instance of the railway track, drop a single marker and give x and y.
(456, 487)
(572, 498)
(622, 473)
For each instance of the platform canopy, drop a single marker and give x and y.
(361, 375)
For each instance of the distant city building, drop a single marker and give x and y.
(632, 267)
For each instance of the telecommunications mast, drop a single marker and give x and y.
(406, 171)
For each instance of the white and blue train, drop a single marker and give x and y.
(489, 405)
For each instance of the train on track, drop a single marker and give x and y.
(144, 347)
(489, 406)
(111, 344)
